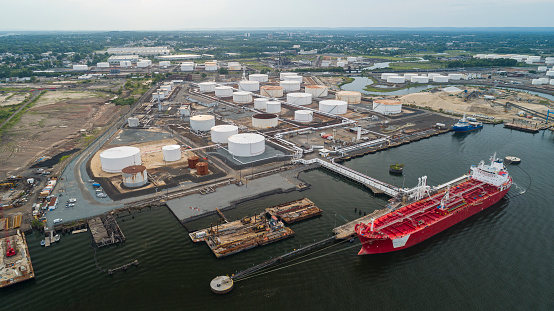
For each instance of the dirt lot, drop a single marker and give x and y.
(53, 125)
(14, 100)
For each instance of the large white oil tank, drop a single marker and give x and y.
(125, 64)
(144, 63)
(223, 91)
(134, 176)
(250, 86)
(220, 133)
(290, 86)
(549, 60)
(542, 68)
(550, 73)
(242, 97)
(551, 81)
(535, 59)
(265, 120)
(396, 79)
(171, 153)
(420, 79)
(333, 106)
(387, 106)
(385, 75)
(303, 116)
(454, 76)
(211, 66)
(234, 66)
(271, 91)
(103, 65)
(282, 75)
(115, 159)
(80, 67)
(260, 77)
(293, 78)
(544, 80)
(273, 107)
(301, 99)
(133, 122)
(440, 79)
(165, 63)
(246, 144)
(350, 97)
(202, 122)
(317, 90)
(184, 111)
(408, 76)
(206, 87)
(260, 103)
(188, 66)
(536, 82)
(432, 75)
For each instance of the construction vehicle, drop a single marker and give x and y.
(9, 249)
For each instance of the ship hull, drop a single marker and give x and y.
(464, 129)
(386, 245)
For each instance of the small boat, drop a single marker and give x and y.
(512, 160)
(57, 238)
(396, 169)
(42, 243)
(466, 125)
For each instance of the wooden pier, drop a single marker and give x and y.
(294, 211)
(105, 230)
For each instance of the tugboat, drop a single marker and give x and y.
(512, 160)
(43, 242)
(396, 169)
(467, 125)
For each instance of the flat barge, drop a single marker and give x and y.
(522, 127)
(236, 236)
(16, 268)
(294, 211)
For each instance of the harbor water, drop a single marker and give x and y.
(499, 259)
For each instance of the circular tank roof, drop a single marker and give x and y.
(207, 83)
(223, 87)
(171, 147)
(133, 169)
(387, 102)
(315, 87)
(242, 93)
(119, 152)
(299, 95)
(290, 82)
(303, 112)
(224, 128)
(202, 117)
(349, 93)
(333, 102)
(264, 116)
(272, 87)
(246, 138)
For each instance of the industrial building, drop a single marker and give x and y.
(116, 59)
(142, 51)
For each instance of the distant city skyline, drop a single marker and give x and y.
(220, 14)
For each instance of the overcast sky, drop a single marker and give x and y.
(187, 14)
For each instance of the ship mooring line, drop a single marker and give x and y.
(529, 186)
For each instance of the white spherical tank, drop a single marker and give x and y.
(420, 79)
(293, 78)
(260, 77)
(317, 90)
(221, 133)
(134, 176)
(282, 75)
(206, 87)
(290, 86)
(115, 159)
(202, 122)
(171, 153)
(265, 120)
(333, 106)
(133, 122)
(242, 97)
(301, 99)
(349, 96)
(387, 106)
(440, 79)
(271, 91)
(385, 75)
(273, 107)
(246, 145)
(303, 116)
(260, 103)
(396, 79)
(223, 91)
(250, 86)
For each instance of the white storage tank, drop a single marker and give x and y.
(282, 75)
(550, 73)
(246, 144)
(387, 106)
(165, 63)
(265, 120)
(273, 107)
(301, 99)
(303, 116)
(103, 65)
(542, 69)
(350, 97)
(544, 80)
(202, 122)
(271, 91)
(144, 63)
(250, 86)
(184, 111)
(188, 66)
(206, 87)
(290, 86)
(125, 64)
(115, 159)
(454, 76)
(333, 106)
(432, 75)
(440, 79)
(80, 67)
(317, 90)
(221, 133)
(408, 76)
(260, 77)
(551, 81)
(385, 75)
(549, 60)
(134, 176)
(242, 97)
(133, 122)
(396, 79)
(536, 82)
(171, 153)
(223, 91)
(420, 79)
(260, 103)
(211, 66)
(293, 78)
(235, 66)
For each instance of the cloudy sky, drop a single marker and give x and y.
(217, 14)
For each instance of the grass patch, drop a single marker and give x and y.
(345, 80)
(124, 101)
(17, 117)
(418, 65)
(371, 88)
(63, 158)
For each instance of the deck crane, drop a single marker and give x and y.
(9, 249)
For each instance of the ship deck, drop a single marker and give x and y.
(425, 212)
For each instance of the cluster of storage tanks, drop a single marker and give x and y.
(416, 78)
(164, 91)
(240, 145)
(529, 59)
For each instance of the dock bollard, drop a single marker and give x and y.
(221, 284)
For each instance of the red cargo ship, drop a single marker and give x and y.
(432, 213)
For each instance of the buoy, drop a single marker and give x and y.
(221, 284)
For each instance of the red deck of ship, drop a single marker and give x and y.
(423, 213)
